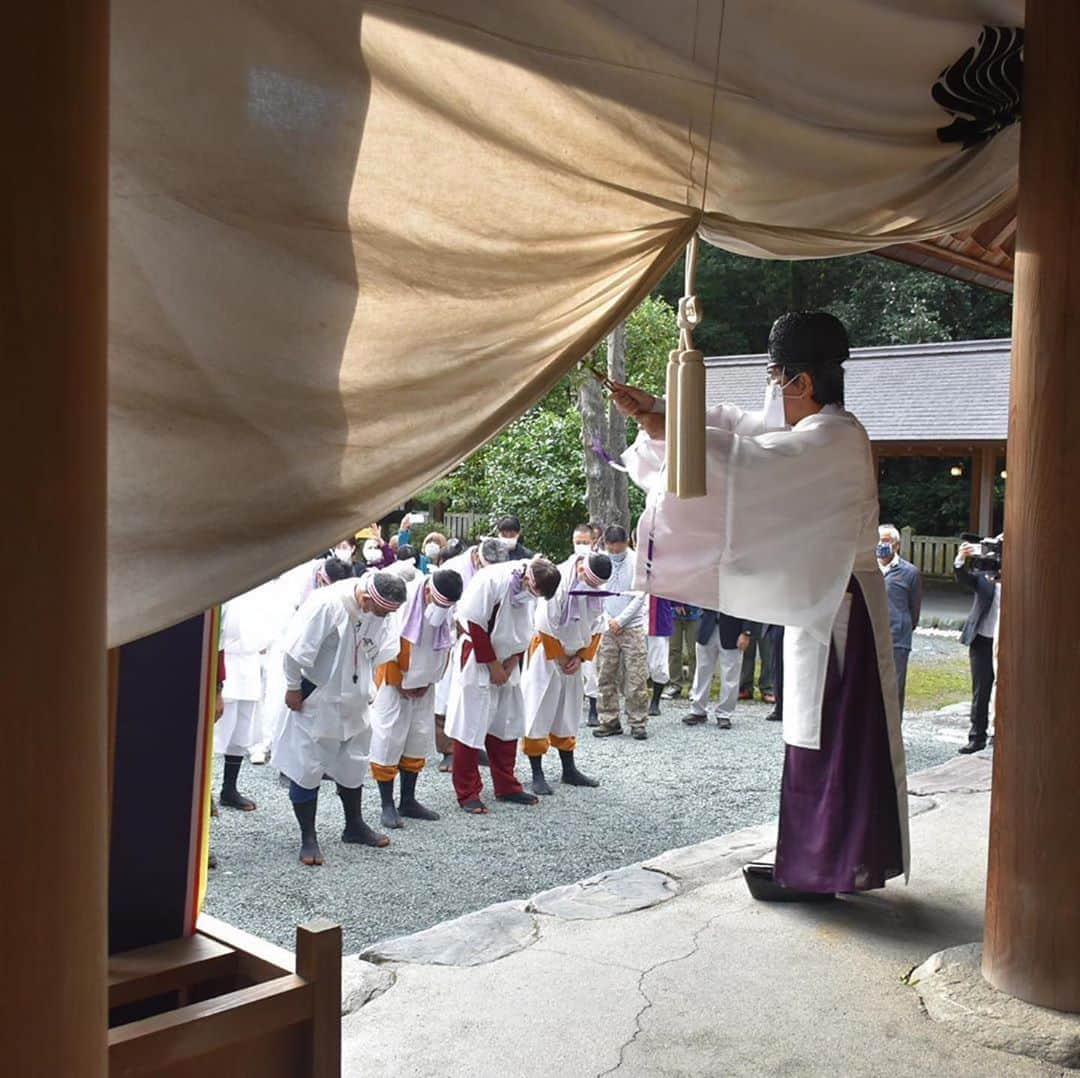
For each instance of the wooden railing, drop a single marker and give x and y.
(933, 555)
(463, 525)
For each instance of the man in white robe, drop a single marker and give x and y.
(285, 595)
(568, 628)
(486, 710)
(416, 655)
(585, 540)
(786, 535)
(491, 551)
(329, 655)
(244, 639)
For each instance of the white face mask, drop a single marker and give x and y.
(508, 543)
(774, 405)
(431, 550)
(582, 549)
(372, 553)
(344, 552)
(436, 615)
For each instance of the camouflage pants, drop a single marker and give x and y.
(622, 665)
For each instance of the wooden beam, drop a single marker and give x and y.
(1032, 940)
(167, 967)
(152, 1045)
(318, 961)
(53, 324)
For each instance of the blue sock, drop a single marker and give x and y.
(298, 795)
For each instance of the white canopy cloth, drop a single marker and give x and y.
(352, 240)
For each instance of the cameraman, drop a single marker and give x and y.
(978, 634)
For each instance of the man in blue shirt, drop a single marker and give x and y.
(903, 586)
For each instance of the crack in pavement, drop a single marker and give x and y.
(695, 945)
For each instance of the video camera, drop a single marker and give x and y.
(988, 553)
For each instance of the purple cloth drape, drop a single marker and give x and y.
(839, 821)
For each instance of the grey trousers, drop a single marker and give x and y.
(900, 658)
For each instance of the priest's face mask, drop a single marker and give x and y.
(435, 614)
(779, 390)
(370, 607)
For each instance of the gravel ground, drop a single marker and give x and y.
(682, 785)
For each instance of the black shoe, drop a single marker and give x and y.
(230, 795)
(310, 854)
(519, 798)
(723, 722)
(539, 781)
(593, 719)
(694, 719)
(759, 879)
(356, 831)
(389, 815)
(639, 733)
(972, 746)
(607, 731)
(654, 704)
(408, 805)
(773, 716)
(571, 776)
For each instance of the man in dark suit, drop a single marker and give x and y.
(978, 635)
(903, 588)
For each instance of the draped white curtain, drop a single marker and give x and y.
(352, 240)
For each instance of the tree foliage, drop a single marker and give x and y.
(880, 302)
(535, 469)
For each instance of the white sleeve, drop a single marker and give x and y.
(293, 673)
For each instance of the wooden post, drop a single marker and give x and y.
(984, 463)
(975, 491)
(318, 960)
(53, 322)
(1032, 941)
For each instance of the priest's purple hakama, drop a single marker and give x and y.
(839, 821)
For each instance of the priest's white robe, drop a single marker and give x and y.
(333, 644)
(244, 638)
(790, 515)
(477, 707)
(553, 698)
(403, 725)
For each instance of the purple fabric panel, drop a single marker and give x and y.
(839, 824)
(661, 616)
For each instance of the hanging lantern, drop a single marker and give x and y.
(956, 471)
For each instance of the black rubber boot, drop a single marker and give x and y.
(539, 783)
(310, 854)
(356, 831)
(389, 816)
(654, 704)
(408, 804)
(230, 795)
(570, 774)
(594, 718)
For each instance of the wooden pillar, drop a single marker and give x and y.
(981, 508)
(1032, 941)
(53, 320)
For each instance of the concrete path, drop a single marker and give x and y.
(697, 979)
